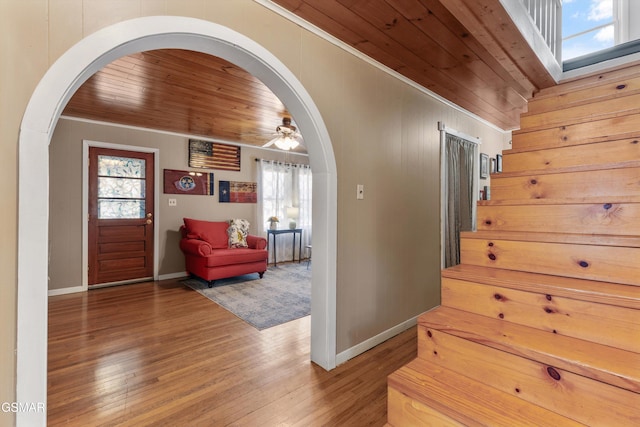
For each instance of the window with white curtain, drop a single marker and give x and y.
(282, 186)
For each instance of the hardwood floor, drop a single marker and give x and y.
(159, 353)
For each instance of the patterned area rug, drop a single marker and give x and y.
(282, 295)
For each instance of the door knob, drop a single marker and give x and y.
(149, 221)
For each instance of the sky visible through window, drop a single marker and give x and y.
(580, 16)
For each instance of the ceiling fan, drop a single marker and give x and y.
(286, 137)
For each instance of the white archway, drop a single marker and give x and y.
(42, 113)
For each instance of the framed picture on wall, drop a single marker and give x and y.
(499, 163)
(238, 192)
(484, 166)
(213, 155)
(188, 182)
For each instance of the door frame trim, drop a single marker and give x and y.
(86, 144)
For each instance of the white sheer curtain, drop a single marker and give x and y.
(281, 186)
(302, 175)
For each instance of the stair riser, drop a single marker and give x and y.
(611, 153)
(600, 323)
(604, 263)
(579, 133)
(451, 396)
(583, 399)
(609, 79)
(407, 412)
(599, 93)
(612, 219)
(609, 183)
(588, 291)
(582, 113)
(598, 362)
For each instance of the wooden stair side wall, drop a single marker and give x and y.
(542, 316)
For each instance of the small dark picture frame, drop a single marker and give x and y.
(484, 166)
(499, 163)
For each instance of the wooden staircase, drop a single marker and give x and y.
(540, 323)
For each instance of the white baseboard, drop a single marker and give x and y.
(74, 289)
(64, 291)
(374, 341)
(173, 275)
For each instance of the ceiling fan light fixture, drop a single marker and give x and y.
(285, 142)
(287, 137)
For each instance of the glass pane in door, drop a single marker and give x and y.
(125, 167)
(121, 187)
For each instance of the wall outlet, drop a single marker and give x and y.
(360, 192)
(173, 202)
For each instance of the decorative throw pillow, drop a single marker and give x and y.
(212, 232)
(237, 232)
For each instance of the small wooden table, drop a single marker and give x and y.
(293, 231)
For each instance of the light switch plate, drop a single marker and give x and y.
(360, 192)
(173, 202)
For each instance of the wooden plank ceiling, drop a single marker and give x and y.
(181, 91)
(466, 51)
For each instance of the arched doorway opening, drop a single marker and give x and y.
(39, 121)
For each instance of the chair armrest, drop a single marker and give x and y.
(195, 247)
(256, 242)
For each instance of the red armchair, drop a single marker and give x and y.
(207, 254)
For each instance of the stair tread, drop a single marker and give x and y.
(611, 365)
(627, 296)
(468, 401)
(541, 237)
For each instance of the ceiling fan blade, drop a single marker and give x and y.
(270, 143)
